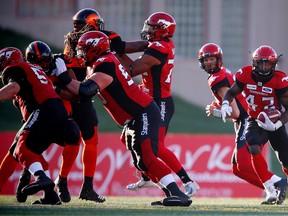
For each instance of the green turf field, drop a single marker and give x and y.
(141, 206)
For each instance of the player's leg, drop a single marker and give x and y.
(145, 149)
(86, 117)
(69, 154)
(256, 137)
(279, 143)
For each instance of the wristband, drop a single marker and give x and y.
(64, 78)
(225, 102)
(278, 124)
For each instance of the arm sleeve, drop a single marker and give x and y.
(222, 83)
(156, 54)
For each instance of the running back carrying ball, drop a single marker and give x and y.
(273, 114)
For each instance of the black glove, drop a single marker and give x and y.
(116, 43)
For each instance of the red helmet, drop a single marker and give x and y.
(88, 17)
(91, 45)
(158, 26)
(210, 49)
(8, 56)
(260, 57)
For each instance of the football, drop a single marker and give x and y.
(273, 114)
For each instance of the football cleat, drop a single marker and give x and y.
(42, 182)
(50, 198)
(266, 203)
(23, 181)
(191, 188)
(157, 203)
(62, 189)
(271, 194)
(176, 201)
(281, 187)
(90, 194)
(141, 184)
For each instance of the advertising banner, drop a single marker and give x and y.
(206, 158)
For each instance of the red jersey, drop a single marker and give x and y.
(123, 99)
(35, 86)
(224, 78)
(157, 81)
(260, 96)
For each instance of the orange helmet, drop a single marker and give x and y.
(91, 45)
(158, 26)
(90, 17)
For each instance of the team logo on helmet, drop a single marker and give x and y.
(7, 54)
(165, 22)
(94, 41)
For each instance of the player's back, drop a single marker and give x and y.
(35, 86)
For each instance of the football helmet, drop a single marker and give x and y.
(91, 45)
(158, 26)
(264, 60)
(39, 53)
(208, 50)
(88, 17)
(8, 56)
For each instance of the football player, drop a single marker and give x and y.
(156, 66)
(46, 120)
(264, 87)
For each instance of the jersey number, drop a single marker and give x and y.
(126, 76)
(168, 79)
(251, 101)
(41, 78)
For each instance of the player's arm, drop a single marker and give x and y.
(87, 88)
(143, 64)
(235, 110)
(136, 46)
(11, 77)
(229, 96)
(232, 92)
(140, 65)
(8, 91)
(121, 47)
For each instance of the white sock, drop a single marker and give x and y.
(34, 167)
(166, 180)
(275, 178)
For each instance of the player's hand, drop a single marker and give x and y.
(60, 66)
(268, 125)
(226, 110)
(209, 110)
(213, 111)
(116, 42)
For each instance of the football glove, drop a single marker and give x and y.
(268, 125)
(60, 66)
(226, 110)
(116, 43)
